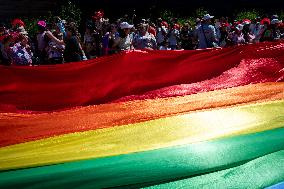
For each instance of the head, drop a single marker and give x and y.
(159, 21)
(207, 18)
(126, 27)
(143, 28)
(186, 26)
(89, 28)
(17, 23)
(2, 29)
(41, 26)
(71, 30)
(198, 21)
(239, 29)
(113, 28)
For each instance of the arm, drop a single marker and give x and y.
(54, 39)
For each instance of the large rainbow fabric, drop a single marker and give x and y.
(158, 119)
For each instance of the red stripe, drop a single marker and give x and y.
(48, 88)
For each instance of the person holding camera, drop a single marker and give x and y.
(73, 50)
(125, 39)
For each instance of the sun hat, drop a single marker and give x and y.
(275, 21)
(207, 17)
(125, 25)
(42, 23)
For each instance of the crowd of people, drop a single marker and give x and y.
(60, 42)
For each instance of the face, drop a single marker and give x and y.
(2, 30)
(126, 30)
(113, 28)
(142, 29)
(68, 33)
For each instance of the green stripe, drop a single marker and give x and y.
(156, 166)
(259, 173)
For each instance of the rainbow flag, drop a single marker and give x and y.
(173, 119)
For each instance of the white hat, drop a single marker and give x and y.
(239, 27)
(125, 25)
(275, 21)
(22, 30)
(207, 17)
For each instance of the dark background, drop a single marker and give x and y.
(13, 8)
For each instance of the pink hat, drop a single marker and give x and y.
(41, 23)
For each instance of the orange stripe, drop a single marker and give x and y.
(18, 128)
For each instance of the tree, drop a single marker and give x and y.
(248, 14)
(71, 13)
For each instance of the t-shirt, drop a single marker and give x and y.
(41, 41)
(206, 36)
(146, 41)
(125, 43)
(173, 37)
(238, 38)
(161, 34)
(72, 52)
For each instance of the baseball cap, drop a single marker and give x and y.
(125, 25)
(207, 17)
(275, 21)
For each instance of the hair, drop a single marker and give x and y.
(72, 27)
(41, 28)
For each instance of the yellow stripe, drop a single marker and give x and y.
(160, 133)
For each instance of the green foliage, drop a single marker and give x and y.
(71, 13)
(200, 12)
(167, 15)
(248, 14)
(31, 25)
(281, 15)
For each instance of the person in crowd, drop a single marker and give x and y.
(238, 36)
(7, 43)
(248, 36)
(207, 36)
(55, 50)
(20, 53)
(42, 42)
(89, 40)
(257, 32)
(174, 36)
(217, 25)
(162, 32)
(125, 39)
(186, 36)
(114, 34)
(144, 40)
(267, 34)
(152, 29)
(276, 34)
(224, 35)
(73, 50)
(16, 23)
